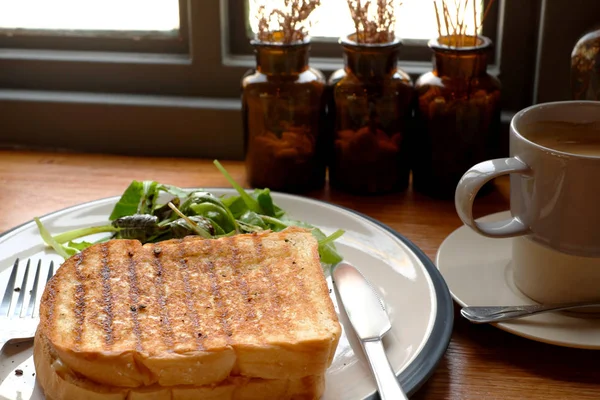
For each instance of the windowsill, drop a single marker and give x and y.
(127, 124)
(118, 99)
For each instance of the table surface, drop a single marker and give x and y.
(482, 362)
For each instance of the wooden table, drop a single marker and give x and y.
(482, 362)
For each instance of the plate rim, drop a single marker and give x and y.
(508, 326)
(418, 372)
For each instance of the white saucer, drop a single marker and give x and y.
(478, 272)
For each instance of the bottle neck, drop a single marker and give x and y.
(460, 64)
(289, 59)
(371, 61)
(459, 56)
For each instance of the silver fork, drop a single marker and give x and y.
(20, 325)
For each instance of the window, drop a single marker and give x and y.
(162, 77)
(415, 24)
(105, 15)
(508, 23)
(413, 19)
(133, 25)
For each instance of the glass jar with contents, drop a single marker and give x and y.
(283, 102)
(369, 113)
(457, 116)
(585, 67)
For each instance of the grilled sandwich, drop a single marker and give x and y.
(192, 311)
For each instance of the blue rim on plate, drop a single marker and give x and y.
(424, 365)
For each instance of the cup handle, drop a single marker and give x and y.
(469, 185)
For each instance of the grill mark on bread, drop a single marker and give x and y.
(241, 284)
(168, 337)
(50, 300)
(276, 297)
(269, 291)
(107, 321)
(310, 306)
(79, 300)
(134, 294)
(214, 287)
(258, 247)
(183, 268)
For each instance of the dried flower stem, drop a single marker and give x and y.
(456, 26)
(375, 27)
(286, 24)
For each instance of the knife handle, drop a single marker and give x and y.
(389, 387)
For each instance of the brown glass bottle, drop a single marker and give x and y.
(284, 104)
(457, 117)
(585, 67)
(369, 113)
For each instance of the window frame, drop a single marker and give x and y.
(131, 72)
(57, 96)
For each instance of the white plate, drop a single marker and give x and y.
(478, 272)
(418, 300)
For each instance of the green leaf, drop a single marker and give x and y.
(252, 218)
(216, 214)
(249, 228)
(194, 225)
(49, 240)
(137, 226)
(138, 198)
(327, 249)
(278, 211)
(81, 232)
(251, 203)
(164, 212)
(274, 223)
(236, 205)
(228, 222)
(264, 200)
(149, 197)
(79, 245)
(129, 201)
(331, 238)
(176, 191)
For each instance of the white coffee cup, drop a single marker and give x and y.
(555, 207)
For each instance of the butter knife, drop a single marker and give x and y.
(371, 322)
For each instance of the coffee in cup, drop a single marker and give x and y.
(581, 138)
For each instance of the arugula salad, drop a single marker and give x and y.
(139, 215)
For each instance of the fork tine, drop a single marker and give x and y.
(34, 290)
(10, 287)
(50, 271)
(21, 298)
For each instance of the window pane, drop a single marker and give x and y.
(103, 15)
(415, 19)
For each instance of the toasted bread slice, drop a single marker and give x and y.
(193, 311)
(61, 383)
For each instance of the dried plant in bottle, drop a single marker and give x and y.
(373, 25)
(284, 21)
(452, 17)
